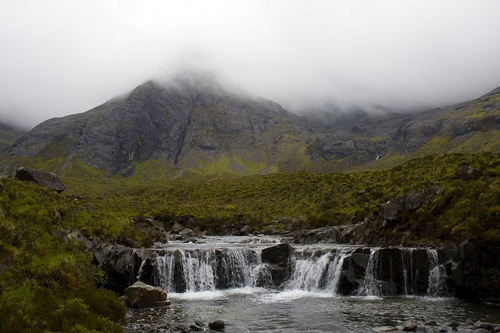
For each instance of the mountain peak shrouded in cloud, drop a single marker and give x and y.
(61, 57)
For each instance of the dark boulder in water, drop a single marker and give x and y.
(217, 325)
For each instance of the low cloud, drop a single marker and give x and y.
(64, 57)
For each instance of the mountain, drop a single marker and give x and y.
(189, 125)
(193, 126)
(364, 141)
(8, 135)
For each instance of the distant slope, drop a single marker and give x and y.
(8, 135)
(363, 141)
(191, 125)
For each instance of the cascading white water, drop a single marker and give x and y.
(318, 273)
(211, 269)
(309, 273)
(333, 270)
(436, 285)
(370, 286)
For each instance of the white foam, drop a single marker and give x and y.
(291, 295)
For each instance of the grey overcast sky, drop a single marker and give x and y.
(60, 57)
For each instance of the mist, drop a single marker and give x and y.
(65, 57)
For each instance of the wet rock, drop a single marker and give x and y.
(199, 323)
(481, 330)
(454, 324)
(185, 233)
(49, 180)
(141, 295)
(480, 324)
(465, 172)
(381, 329)
(195, 328)
(410, 326)
(217, 325)
(278, 258)
(120, 266)
(278, 254)
(431, 323)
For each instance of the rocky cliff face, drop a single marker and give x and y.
(193, 125)
(361, 138)
(189, 123)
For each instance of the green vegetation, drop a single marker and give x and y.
(47, 280)
(307, 200)
(49, 284)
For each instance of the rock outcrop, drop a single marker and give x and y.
(141, 295)
(43, 178)
(278, 258)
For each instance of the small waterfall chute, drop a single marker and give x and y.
(436, 285)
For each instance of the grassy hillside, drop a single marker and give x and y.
(48, 282)
(306, 200)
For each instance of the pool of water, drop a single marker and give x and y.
(264, 310)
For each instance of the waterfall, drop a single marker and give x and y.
(336, 270)
(436, 285)
(210, 269)
(371, 286)
(318, 273)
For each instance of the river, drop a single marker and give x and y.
(225, 278)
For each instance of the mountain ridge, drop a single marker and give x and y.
(194, 126)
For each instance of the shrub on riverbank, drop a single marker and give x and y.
(47, 280)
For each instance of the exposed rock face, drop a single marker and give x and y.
(360, 137)
(120, 265)
(193, 124)
(476, 271)
(183, 124)
(278, 257)
(43, 178)
(409, 202)
(141, 295)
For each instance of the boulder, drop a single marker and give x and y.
(217, 325)
(278, 254)
(177, 227)
(141, 295)
(185, 233)
(278, 258)
(153, 228)
(391, 208)
(410, 326)
(49, 180)
(120, 265)
(466, 172)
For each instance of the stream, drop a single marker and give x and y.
(326, 288)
